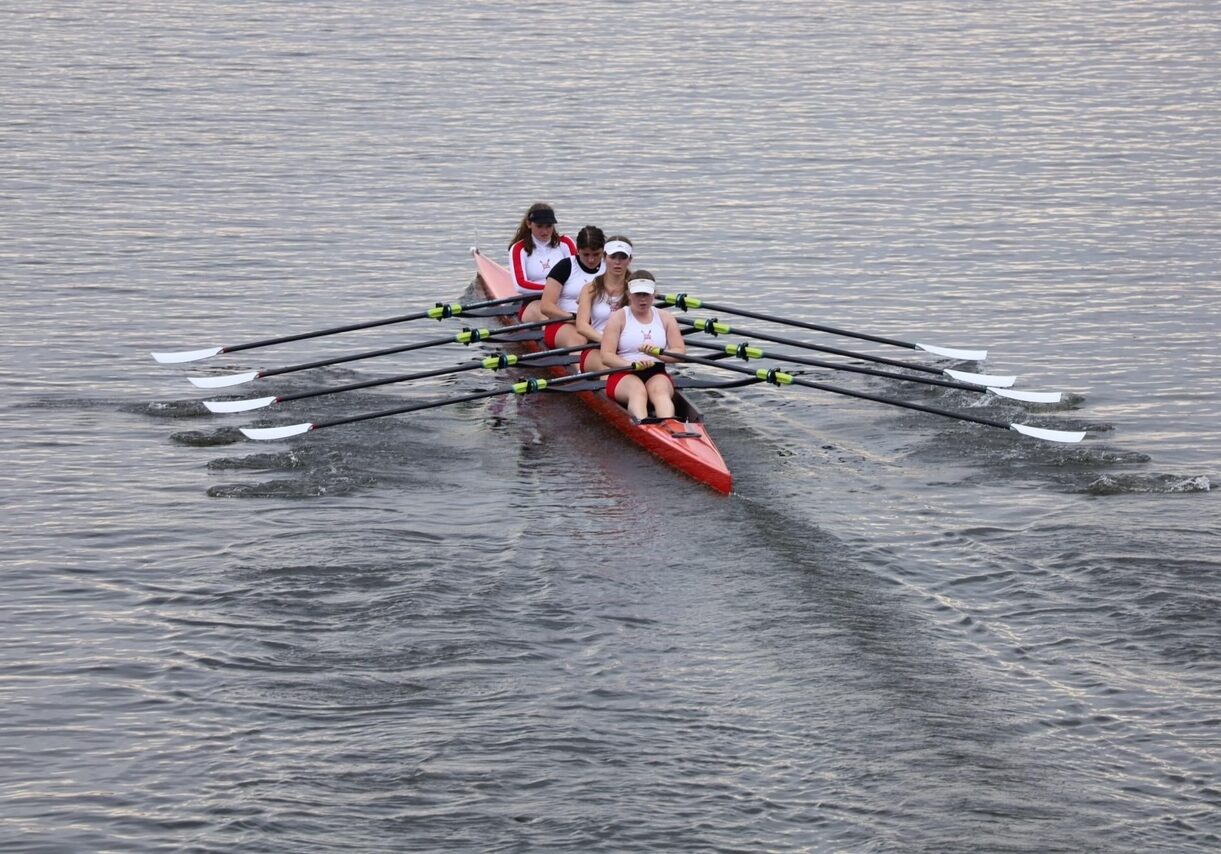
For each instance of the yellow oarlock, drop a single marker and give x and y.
(769, 375)
(742, 351)
(527, 386)
(493, 363)
(442, 311)
(685, 301)
(471, 336)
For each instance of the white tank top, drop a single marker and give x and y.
(636, 334)
(577, 279)
(601, 309)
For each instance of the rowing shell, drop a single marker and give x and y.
(683, 443)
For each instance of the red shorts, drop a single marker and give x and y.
(584, 358)
(550, 331)
(527, 302)
(613, 380)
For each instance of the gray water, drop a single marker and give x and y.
(499, 626)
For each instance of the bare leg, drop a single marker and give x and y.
(567, 336)
(593, 362)
(533, 312)
(631, 393)
(661, 395)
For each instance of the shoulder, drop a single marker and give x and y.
(561, 270)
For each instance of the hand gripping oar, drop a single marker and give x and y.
(542, 358)
(713, 327)
(466, 336)
(438, 312)
(745, 352)
(779, 378)
(524, 387)
(684, 302)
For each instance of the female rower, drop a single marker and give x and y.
(563, 289)
(601, 298)
(632, 335)
(536, 248)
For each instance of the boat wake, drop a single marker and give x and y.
(1144, 484)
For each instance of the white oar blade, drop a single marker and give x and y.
(980, 379)
(951, 353)
(238, 405)
(186, 355)
(1028, 396)
(1049, 435)
(264, 434)
(225, 381)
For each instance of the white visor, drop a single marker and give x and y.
(618, 246)
(642, 286)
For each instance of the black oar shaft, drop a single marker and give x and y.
(490, 363)
(744, 351)
(402, 410)
(525, 387)
(683, 302)
(467, 337)
(441, 310)
(780, 378)
(713, 327)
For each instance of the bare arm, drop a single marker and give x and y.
(610, 342)
(585, 310)
(549, 304)
(674, 337)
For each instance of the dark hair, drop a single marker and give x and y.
(642, 274)
(523, 230)
(590, 237)
(598, 285)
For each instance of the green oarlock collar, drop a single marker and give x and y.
(683, 301)
(470, 336)
(712, 326)
(743, 351)
(527, 386)
(441, 312)
(504, 360)
(771, 375)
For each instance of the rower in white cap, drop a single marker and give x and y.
(635, 334)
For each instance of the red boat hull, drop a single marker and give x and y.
(697, 455)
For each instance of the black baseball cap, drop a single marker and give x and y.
(542, 216)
